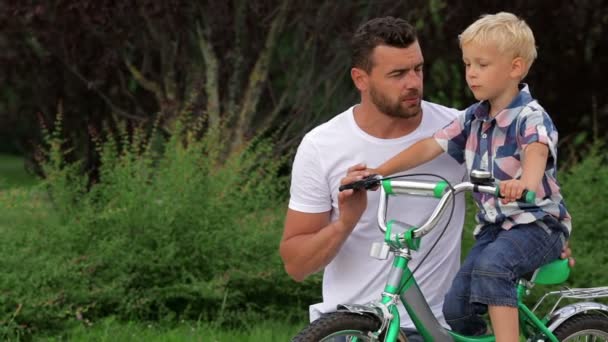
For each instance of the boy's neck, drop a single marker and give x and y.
(500, 102)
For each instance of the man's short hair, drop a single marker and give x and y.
(389, 31)
(510, 34)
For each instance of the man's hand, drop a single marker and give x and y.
(351, 202)
(511, 190)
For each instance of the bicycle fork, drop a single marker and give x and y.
(402, 285)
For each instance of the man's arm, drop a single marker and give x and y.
(417, 154)
(310, 241)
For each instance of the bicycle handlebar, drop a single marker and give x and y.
(440, 190)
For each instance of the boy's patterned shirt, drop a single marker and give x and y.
(496, 144)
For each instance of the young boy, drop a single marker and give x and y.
(509, 134)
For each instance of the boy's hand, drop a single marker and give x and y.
(511, 190)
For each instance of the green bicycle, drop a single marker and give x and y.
(583, 320)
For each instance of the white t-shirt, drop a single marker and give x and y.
(353, 277)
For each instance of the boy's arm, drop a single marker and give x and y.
(533, 164)
(419, 153)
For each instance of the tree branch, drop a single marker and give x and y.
(211, 79)
(90, 85)
(257, 77)
(145, 83)
(234, 85)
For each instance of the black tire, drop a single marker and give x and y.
(594, 325)
(351, 324)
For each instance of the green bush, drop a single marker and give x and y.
(171, 233)
(585, 189)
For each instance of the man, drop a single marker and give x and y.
(331, 230)
(325, 229)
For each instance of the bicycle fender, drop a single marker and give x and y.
(377, 310)
(563, 314)
(362, 309)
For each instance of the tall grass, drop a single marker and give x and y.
(111, 330)
(13, 173)
(168, 232)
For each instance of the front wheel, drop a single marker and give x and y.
(585, 327)
(340, 326)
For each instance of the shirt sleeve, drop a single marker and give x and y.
(537, 126)
(309, 188)
(453, 138)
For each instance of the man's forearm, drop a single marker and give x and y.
(306, 254)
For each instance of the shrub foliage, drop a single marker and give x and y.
(167, 231)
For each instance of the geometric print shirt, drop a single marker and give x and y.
(496, 144)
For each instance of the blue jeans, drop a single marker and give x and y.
(490, 271)
(412, 335)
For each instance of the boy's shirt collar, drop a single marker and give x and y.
(507, 115)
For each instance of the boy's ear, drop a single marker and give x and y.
(518, 68)
(360, 78)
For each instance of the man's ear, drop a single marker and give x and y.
(360, 78)
(518, 68)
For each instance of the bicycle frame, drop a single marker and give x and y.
(401, 284)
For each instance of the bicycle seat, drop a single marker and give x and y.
(553, 273)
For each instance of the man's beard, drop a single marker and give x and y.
(394, 108)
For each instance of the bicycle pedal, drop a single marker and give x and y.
(379, 250)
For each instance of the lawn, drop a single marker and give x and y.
(13, 172)
(111, 330)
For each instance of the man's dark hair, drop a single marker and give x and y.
(389, 31)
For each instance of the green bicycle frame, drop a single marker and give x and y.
(401, 284)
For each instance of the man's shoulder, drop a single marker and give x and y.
(338, 123)
(439, 111)
(436, 116)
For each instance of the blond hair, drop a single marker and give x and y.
(510, 34)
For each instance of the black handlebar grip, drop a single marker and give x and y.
(363, 184)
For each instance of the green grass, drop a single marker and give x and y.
(19, 200)
(111, 330)
(13, 173)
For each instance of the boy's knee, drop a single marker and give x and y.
(462, 317)
(453, 307)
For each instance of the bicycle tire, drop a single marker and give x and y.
(339, 324)
(594, 325)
